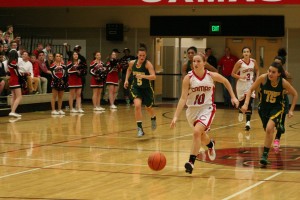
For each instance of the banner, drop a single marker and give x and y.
(79, 3)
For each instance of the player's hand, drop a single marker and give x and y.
(125, 84)
(244, 108)
(291, 114)
(173, 123)
(235, 102)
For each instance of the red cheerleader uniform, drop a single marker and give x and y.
(75, 79)
(98, 72)
(14, 75)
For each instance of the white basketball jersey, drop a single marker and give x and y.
(243, 85)
(247, 69)
(201, 90)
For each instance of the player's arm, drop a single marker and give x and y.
(151, 75)
(209, 67)
(182, 100)
(256, 69)
(221, 79)
(183, 70)
(128, 72)
(253, 87)
(291, 90)
(235, 70)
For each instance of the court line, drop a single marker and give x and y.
(31, 170)
(252, 186)
(213, 129)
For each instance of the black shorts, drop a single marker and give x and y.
(274, 114)
(145, 94)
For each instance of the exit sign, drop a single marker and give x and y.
(215, 28)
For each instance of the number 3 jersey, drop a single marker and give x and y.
(200, 102)
(243, 85)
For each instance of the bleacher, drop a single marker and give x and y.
(31, 103)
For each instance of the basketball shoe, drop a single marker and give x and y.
(247, 126)
(140, 132)
(153, 123)
(241, 117)
(264, 159)
(276, 145)
(211, 151)
(189, 167)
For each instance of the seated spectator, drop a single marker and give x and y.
(9, 31)
(26, 69)
(45, 74)
(42, 87)
(38, 49)
(47, 50)
(3, 75)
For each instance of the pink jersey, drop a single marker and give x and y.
(201, 90)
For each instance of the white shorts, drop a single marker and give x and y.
(242, 87)
(204, 115)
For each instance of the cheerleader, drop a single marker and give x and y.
(75, 72)
(98, 72)
(14, 82)
(59, 83)
(112, 80)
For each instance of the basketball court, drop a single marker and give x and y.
(97, 155)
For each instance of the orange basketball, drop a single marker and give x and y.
(157, 161)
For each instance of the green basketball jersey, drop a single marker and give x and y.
(141, 82)
(271, 96)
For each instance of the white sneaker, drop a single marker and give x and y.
(80, 110)
(113, 106)
(247, 127)
(54, 112)
(73, 110)
(12, 114)
(211, 152)
(60, 112)
(241, 117)
(100, 108)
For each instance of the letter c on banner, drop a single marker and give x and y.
(151, 1)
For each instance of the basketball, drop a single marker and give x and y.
(157, 161)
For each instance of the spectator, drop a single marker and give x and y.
(2, 41)
(38, 49)
(45, 72)
(3, 74)
(49, 60)
(226, 64)
(26, 69)
(47, 50)
(42, 87)
(210, 58)
(9, 31)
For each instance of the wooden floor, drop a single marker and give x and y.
(98, 156)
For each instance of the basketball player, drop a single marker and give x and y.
(141, 89)
(271, 106)
(198, 93)
(280, 58)
(188, 66)
(244, 70)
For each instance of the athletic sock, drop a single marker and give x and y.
(192, 159)
(210, 144)
(139, 124)
(266, 150)
(248, 117)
